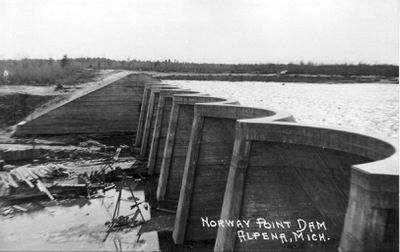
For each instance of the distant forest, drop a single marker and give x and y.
(186, 67)
(52, 71)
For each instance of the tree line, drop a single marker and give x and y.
(209, 68)
(52, 71)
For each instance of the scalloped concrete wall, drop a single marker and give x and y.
(161, 127)
(207, 165)
(177, 143)
(311, 173)
(238, 162)
(143, 111)
(150, 118)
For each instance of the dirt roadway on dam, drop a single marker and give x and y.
(19, 101)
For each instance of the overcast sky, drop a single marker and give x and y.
(220, 31)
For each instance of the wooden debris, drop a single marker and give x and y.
(2, 163)
(20, 208)
(7, 211)
(30, 176)
(7, 177)
(10, 210)
(59, 191)
(3, 182)
(119, 222)
(43, 188)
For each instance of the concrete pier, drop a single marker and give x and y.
(143, 111)
(177, 142)
(151, 113)
(313, 173)
(207, 165)
(161, 127)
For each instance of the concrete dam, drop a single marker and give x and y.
(246, 178)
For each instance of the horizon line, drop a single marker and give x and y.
(295, 62)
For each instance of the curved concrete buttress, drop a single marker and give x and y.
(177, 141)
(207, 164)
(161, 127)
(372, 215)
(143, 110)
(149, 122)
(347, 181)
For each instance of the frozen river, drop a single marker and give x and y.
(372, 108)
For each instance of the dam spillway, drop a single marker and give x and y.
(278, 170)
(221, 160)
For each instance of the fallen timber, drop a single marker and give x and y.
(59, 191)
(284, 170)
(31, 177)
